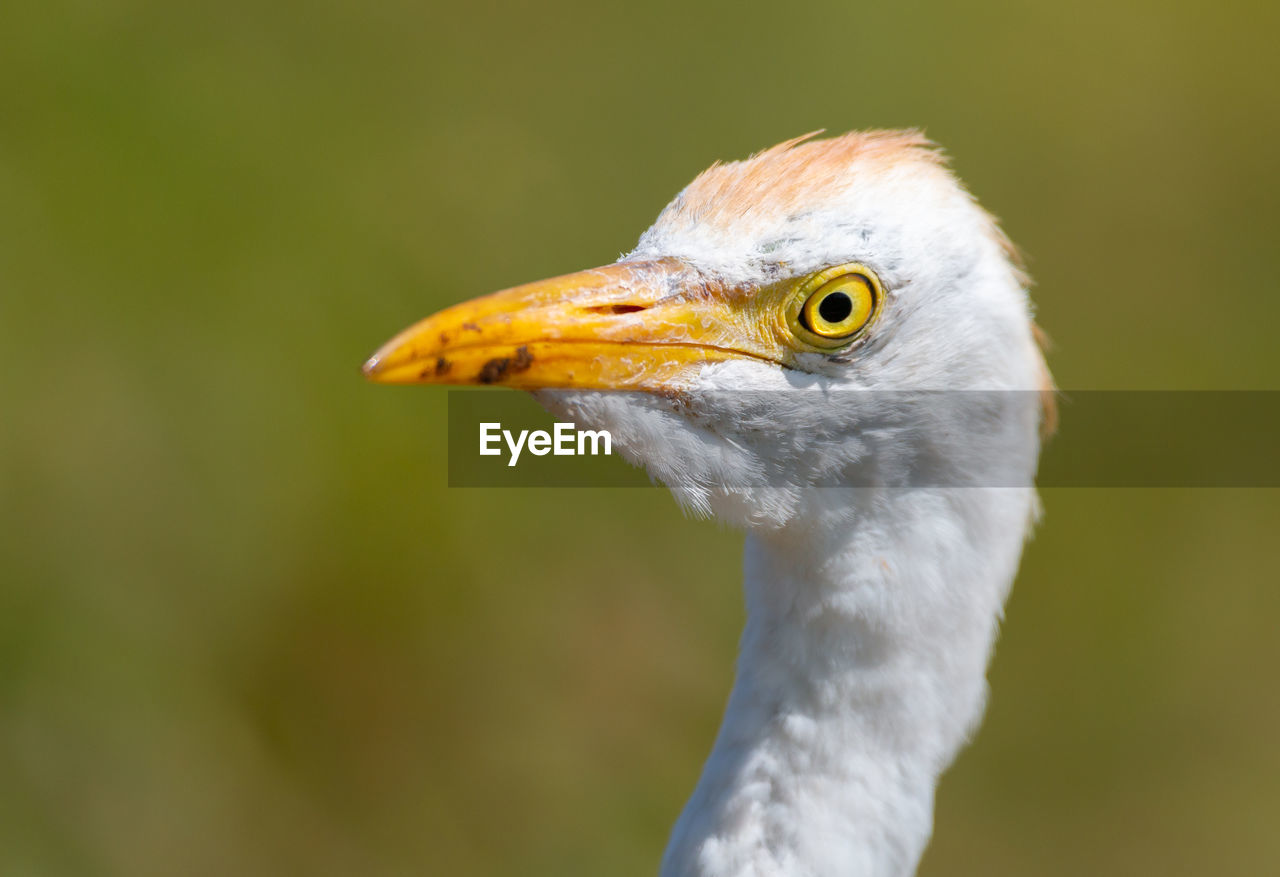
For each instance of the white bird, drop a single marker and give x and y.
(762, 334)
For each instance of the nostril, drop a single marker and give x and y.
(616, 309)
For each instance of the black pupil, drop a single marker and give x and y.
(836, 307)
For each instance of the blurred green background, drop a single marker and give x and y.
(244, 627)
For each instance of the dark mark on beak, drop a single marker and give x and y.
(523, 359)
(493, 370)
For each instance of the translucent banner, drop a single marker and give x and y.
(866, 439)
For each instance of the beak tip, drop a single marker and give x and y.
(371, 367)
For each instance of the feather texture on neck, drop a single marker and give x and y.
(860, 675)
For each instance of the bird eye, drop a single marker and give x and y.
(832, 307)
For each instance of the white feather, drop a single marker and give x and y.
(871, 611)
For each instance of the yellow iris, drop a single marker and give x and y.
(832, 307)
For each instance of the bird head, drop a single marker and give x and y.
(725, 351)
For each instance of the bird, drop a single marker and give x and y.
(829, 345)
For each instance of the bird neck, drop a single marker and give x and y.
(860, 674)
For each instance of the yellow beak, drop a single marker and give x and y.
(629, 326)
